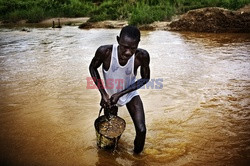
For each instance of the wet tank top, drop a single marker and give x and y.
(118, 77)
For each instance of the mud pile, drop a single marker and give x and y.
(109, 24)
(213, 19)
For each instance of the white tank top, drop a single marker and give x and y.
(118, 77)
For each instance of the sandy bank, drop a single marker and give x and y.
(49, 22)
(214, 19)
(110, 24)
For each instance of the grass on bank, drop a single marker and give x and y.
(135, 11)
(36, 10)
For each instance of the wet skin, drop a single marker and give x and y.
(127, 47)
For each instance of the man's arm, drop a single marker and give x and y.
(100, 56)
(145, 76)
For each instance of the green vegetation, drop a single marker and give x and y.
(135, 11)
(37, 10)
(144, 13)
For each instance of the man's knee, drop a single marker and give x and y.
(141, 130)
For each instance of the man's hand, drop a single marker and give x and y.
(114, 98)
(105, 102)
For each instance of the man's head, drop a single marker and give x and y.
(128, 41)
(132, 32)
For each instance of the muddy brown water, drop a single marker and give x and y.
(199, 116)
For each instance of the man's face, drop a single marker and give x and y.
(127, 46)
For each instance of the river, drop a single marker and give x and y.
(200, 115)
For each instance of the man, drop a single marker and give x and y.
(119, 64)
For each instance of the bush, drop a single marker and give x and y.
(15, 16)
(35, 15)
(76, 9)
(35, 11)
(108, 10)
(144, 14)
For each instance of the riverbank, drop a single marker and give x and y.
(211, 19)
(110, 24)
(48, 22)
(83, 23)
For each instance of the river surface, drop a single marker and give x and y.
(200, 116)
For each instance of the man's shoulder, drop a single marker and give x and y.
(103, 52)
(142, 54)
(104, 49)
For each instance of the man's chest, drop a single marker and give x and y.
(107, 64)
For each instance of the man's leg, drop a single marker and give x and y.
(136, 111)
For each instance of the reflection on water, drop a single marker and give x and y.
(200, 117)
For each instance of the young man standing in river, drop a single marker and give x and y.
(119, 65)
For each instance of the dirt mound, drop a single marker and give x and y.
(213, 19)
(104, 24)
